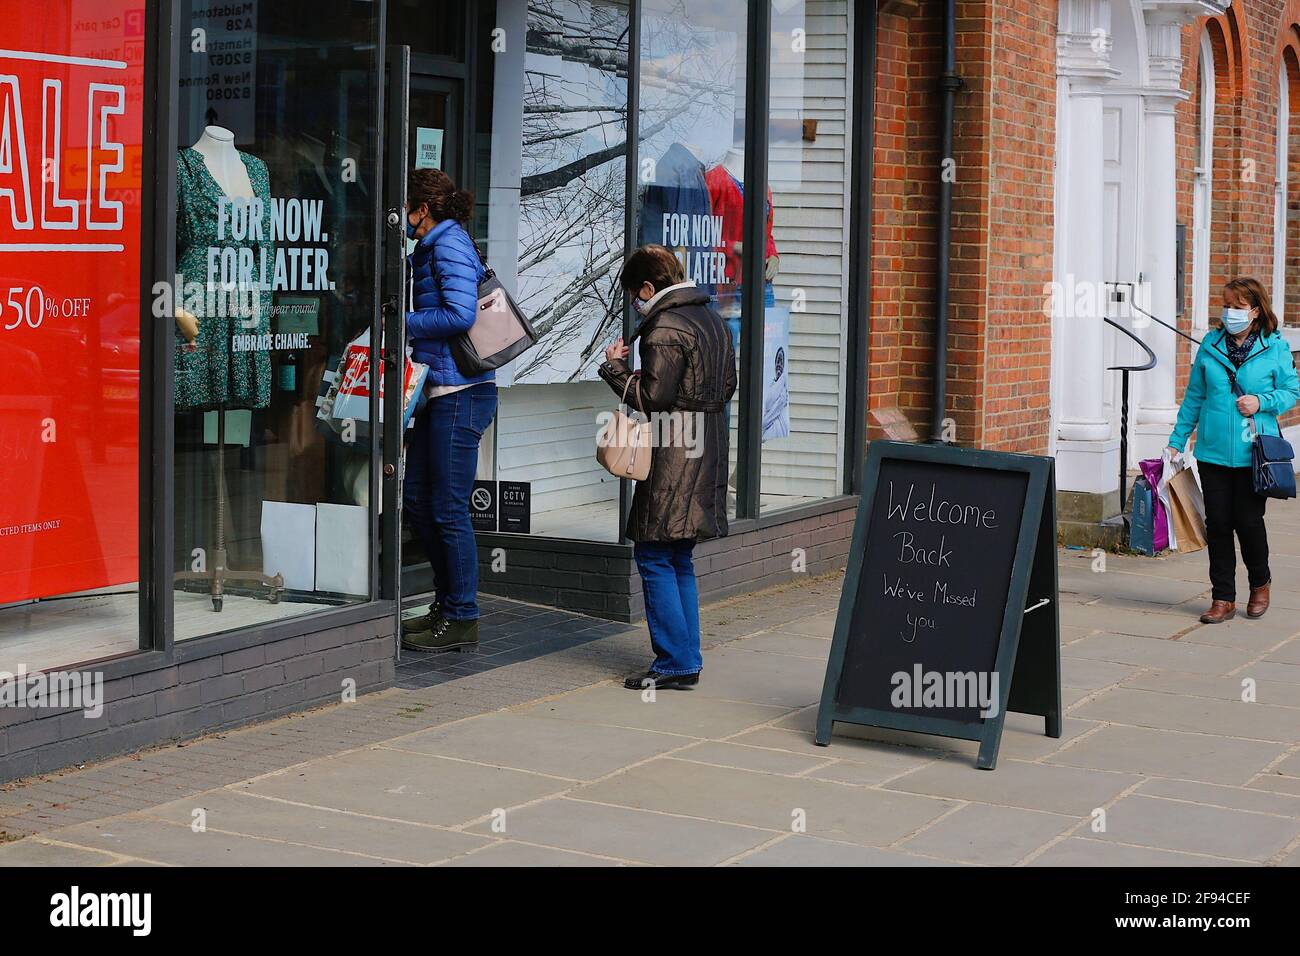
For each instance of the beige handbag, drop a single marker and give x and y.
(624, 444)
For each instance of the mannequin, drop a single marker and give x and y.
(724, 182)
(210, 375)
(734, 162)
(217, 147)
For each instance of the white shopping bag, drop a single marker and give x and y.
(1171, 466)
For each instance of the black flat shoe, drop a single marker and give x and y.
(661, 681)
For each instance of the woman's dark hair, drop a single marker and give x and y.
(445, 201)
(654, 264)
(1252, 290)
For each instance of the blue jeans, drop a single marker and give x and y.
(441, 461)
(672, 604)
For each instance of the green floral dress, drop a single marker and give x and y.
(227, 365)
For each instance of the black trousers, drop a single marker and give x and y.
(1232, 507)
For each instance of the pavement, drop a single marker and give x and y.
(1180, 747)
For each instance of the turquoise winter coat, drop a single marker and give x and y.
(1210, 406)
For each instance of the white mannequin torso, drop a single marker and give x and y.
(734, 163)
(217, 147)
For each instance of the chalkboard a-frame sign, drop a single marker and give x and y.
(949, 615)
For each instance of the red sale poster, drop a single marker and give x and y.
(71, 91)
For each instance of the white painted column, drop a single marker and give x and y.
(1085, 451)
(1157, 402)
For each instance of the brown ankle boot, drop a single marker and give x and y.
(1219, 612)
(1258, 603)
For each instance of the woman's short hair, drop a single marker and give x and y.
(445, 201)
(657, 265)
(1253, 291)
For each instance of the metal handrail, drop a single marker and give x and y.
(1124, 371)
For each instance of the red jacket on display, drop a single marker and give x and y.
(729, 202)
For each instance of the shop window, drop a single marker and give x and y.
(556, 208)
(691, 167)
(808, 168)
(276, 207)
(71, 108)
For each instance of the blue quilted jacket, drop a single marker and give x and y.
(447, 271)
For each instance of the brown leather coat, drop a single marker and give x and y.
(687, 376)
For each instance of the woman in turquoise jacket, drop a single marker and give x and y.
(1247, 348)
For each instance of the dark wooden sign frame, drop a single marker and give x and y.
(1029, 646)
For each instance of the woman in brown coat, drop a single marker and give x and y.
(687, 377)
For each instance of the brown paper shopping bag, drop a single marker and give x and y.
(1187, 511)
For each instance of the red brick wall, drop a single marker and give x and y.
(999, 333)
(1018, 360)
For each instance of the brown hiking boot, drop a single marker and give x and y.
(1258, 603)
(1219, 612)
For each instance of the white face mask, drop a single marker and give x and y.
(1235, 321)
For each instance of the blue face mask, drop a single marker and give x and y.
(1235, 321)
(411, 229)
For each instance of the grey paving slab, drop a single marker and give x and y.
(832, 811)
(801, 850)
(1190, 567)
(1072, 695)
(1194, 714)
(1149, 751)
(1267, 691)
(1290, 766)
(1174, 825)
(765, 760)
(629, 834)
(1071, 634)
(1289, 653)
(163, 842)
(871, 758)
(818, 625)
(1122, 620)
(994, 836)
(1259, 635)
(672, 711)
(789, 645)
(562, 748)
(1078, 851)
(510, 853)
(1094, 674)
(856, 774)
(734, 674)
(1272, 671)
(1153, 652)
(1017, 783)
(1276, 783)
(33, 852)
(1232, 798)
(406, 786)
(240, 812)
(1116, 584)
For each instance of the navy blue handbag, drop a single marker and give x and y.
(1273, 461)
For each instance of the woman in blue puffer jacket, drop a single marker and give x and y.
(442, 455)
